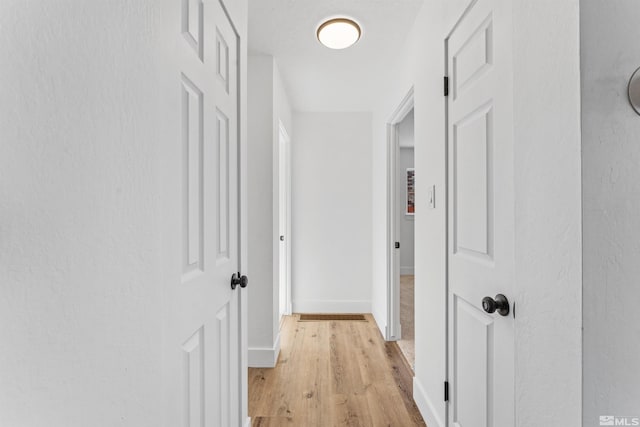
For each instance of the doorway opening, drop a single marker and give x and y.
(405, 205)
(400, 227)
(283, 226)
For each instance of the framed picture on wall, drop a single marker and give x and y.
(411, 194)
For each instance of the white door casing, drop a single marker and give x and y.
(202, 356)
(393, 330)
(480, 216)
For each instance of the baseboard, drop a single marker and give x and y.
(407, 271)
(382, 327)
(331, 306)
(247, 422)
(425, 405)
(264, 357)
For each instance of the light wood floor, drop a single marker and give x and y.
(407, 344)
(333, 373)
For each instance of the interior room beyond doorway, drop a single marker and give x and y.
(406, 209)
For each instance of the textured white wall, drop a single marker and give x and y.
(82, 108)
(331, 212)
(260, 147)
(611, 202)
(268, 105)
(548, 259)
(548, 206)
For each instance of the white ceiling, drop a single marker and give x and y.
(322, 79)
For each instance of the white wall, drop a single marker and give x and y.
(547, 157)
(262, 331)
(611, 202)
(268, 106)
(331, 212)
(80, 273)
(548, 260)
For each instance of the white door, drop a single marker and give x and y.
(480, 217)
(202, 353)
(283, 223)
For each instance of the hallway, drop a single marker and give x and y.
(333, 373)
(155, 222)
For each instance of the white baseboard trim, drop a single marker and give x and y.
(382, 326)
(331, 306)
(264, 357)
(407, 271)
(425, 405)
(247, 422)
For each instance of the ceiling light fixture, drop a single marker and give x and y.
(339, 33)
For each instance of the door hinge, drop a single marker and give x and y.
(446, 86)
(446, 391)
(397, 245)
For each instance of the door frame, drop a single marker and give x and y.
(282, 132)
(393, 330)
(243, 219)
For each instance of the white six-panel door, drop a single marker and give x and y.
(202, 329)
(480, 216)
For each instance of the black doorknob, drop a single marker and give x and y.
(237, 280)
(500, 304)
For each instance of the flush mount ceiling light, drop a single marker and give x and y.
(339, 33)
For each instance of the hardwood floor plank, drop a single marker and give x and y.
(314, 381)
(403, 375)
(407, 318)
(333, 373)
(275, 422)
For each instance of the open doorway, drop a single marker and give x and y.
(405, 205)
(400, 228)
(283, 231)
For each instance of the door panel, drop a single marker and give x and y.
(192, 25)
(472, 335)
(474, 58)
(193, 179)
(472, 183)
(481, 224)
(202, 333)
(223, 365)
(194, 379)
(223, 226)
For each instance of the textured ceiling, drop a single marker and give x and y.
(322, 79)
